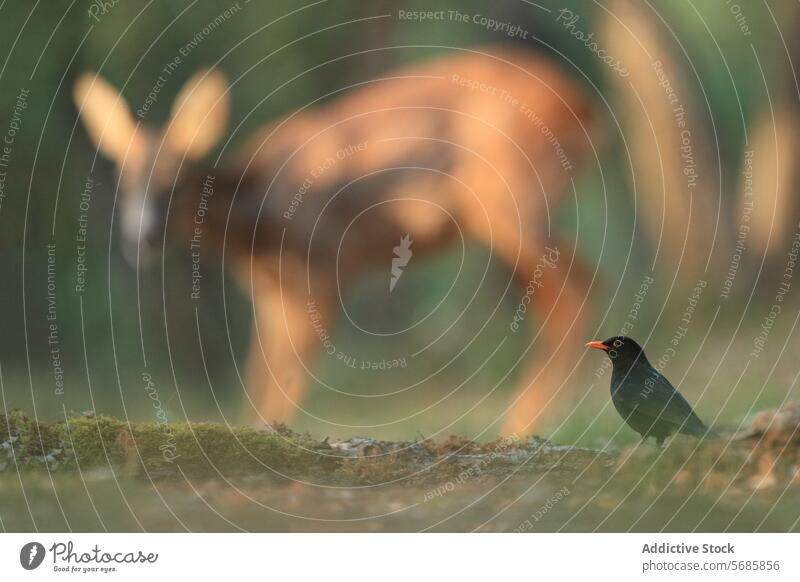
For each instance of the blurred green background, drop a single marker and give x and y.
(125, 323)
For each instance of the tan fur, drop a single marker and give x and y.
(678, 214)
(199, 115)
(484, 167)
(107, 118)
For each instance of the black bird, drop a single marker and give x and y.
(644, 398)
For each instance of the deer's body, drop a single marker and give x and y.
(470, 145)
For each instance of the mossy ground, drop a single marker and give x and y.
(99, 473)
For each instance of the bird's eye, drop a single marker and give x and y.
(617, 343)
(612, 354)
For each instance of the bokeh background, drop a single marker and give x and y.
(650, 211)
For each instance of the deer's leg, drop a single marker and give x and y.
(553, 292)
(552, 285)
(283, 347)
(552, 288)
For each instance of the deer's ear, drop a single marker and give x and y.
(106, 117)
(199, 115)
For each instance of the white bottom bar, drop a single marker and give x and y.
(404, 557)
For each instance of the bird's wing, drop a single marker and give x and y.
(657, 399)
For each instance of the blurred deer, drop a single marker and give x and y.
(769, 176)
(482, 143)
(672, 169)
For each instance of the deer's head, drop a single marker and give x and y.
(149, 161)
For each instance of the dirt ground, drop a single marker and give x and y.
(288, 482)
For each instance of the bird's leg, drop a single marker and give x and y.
(660, 442)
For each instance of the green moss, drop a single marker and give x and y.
(212, 450)
(92, 440)
(163, 450)
(30, 441)
(374, 471)
(150, 450)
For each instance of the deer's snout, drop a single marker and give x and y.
(143, 233)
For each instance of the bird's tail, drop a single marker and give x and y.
(695, 427)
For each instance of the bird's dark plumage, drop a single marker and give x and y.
(646, 400)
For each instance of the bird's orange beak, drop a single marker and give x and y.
(598, 346)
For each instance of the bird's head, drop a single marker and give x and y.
(620, 349)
